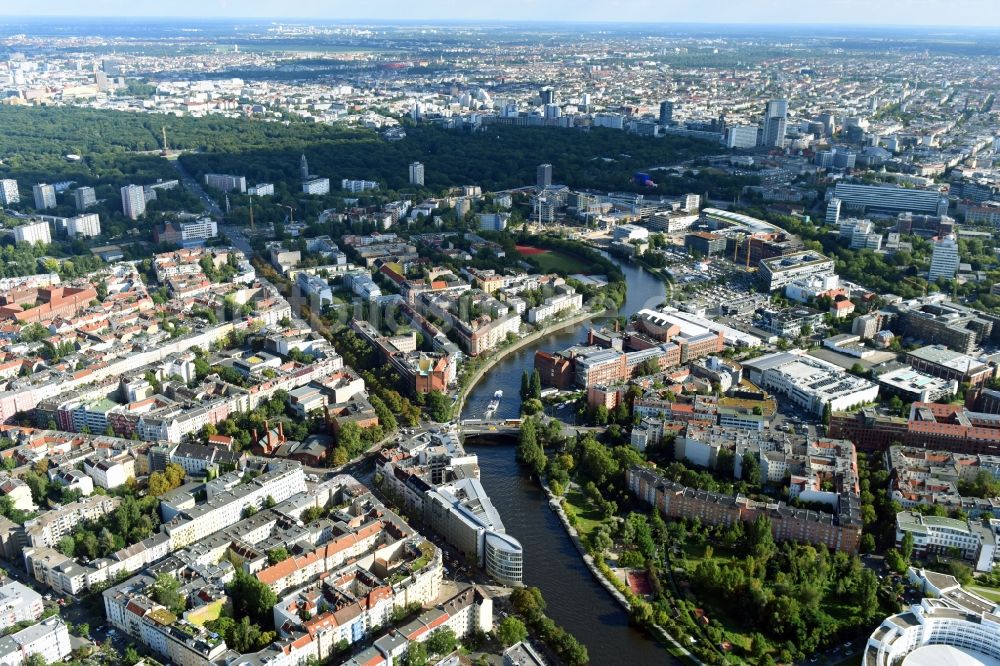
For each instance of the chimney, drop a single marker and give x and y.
(281, 432)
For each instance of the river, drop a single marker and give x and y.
(551, 562)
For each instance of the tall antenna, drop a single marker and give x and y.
(251, 213)
(163, 129)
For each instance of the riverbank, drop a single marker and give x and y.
(676, 650)
(506, 351)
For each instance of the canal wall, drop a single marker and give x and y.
(555, 504)
(506, 351)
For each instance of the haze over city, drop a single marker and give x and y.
(500, 334)
(978, 13)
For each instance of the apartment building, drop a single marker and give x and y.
(33, 233)
(840, 531)
(225, 503)
(226, 182)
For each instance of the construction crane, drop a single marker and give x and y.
(291, 212)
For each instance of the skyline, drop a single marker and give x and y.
(917, 13)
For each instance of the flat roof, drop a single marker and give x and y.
(947, 655)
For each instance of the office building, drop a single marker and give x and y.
(704, 244)
(741, 136)
(775, 123)
(549, 96)
(930, 425)
(890, 199)
(945, 536)
(950, 626)
(939, 361)
(226, 183)
(9, 193)
(543, 177)
(417, 174)
(778, 272)
(133, 201)
(33, 233)
(83, 198)
(667, 114)
(833, 211)
(493, 221)
(936, 320)
(809, 382)
(45, 196)
(944, 259)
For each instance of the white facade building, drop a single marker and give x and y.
(84, 225)
(9, 193)
(316, 186)
(944, 259)
(33, 233)
(45, 196)
(133, 201)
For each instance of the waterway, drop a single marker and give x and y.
(551, 562)
(644, 291)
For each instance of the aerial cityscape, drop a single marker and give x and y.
(481, 341)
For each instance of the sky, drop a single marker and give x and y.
(983, 13)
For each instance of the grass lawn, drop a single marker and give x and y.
(553, 262)
(992, 594)
(587, 517)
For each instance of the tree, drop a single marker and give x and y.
(416, 655)
(750, 469)
(439, 406)
(527, 601)
(906, 546)
(536, 384)
(67, 546)
(442, 642)
(511, 630)
(252, 598)
(760, 539)
(35, 659)
(349, 439)
(166, 592)
(279, 554)
(131, 657)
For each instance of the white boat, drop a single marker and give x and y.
(494, 403)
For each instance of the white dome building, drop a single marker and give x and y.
(955, 628)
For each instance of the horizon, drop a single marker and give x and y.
(921, 14)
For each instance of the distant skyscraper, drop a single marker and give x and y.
(9, 193)
(84, 197)
(550, 96)
(944, 260)
(666, 113)
(775, 121)
(304, 168)
(833, 211)
(543, 177)
(45, 196)
(417, 174)
(133, 201)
